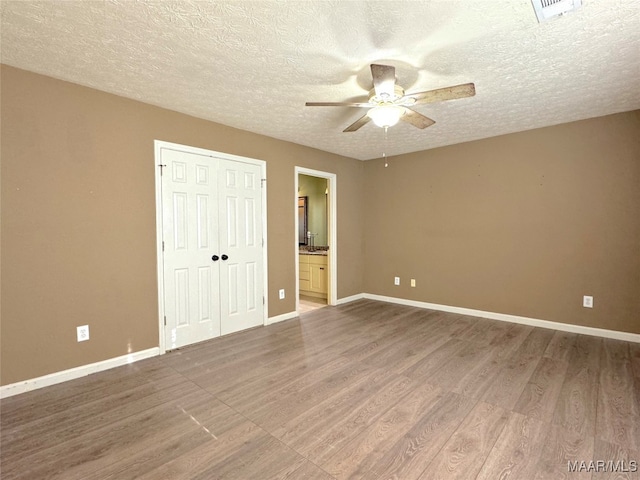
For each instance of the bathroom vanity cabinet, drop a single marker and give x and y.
(313, 275)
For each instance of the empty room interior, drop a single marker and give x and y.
(320, 240)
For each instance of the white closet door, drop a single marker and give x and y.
(213, 263)
(241, 274)
(190, 235)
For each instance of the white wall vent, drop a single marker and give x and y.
(547, 9)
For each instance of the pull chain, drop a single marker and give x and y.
(384, 153)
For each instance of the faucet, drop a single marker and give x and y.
(311, 236)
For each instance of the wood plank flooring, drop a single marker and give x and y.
(367, 390)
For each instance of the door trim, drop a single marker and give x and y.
(332, 297)
(158, 146)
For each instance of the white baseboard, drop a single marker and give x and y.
(352, 298)
(281, 318)
(534, 322)
(77, 372)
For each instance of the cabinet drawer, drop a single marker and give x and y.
(303, 267)
(304, 275)
(317, 259)
(304, 285)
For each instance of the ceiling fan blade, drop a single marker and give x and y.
(442, 94)
(384, 80)
(358, 123)
(416, 119)
(337, 104)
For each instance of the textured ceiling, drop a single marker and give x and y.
(253, 65)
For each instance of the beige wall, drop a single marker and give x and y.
(78, 219)
(524, 224)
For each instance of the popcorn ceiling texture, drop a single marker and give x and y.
(253, 65)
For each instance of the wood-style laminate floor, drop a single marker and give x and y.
(367, 390)
(307, 304)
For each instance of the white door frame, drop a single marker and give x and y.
(332, 297)
(158, 146)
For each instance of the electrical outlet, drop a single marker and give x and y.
(83, 333)
(281, 294)
(396, 281)
(413, 282)
(587, 301)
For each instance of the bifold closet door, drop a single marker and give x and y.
(212, 239)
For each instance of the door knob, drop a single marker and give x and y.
(215, 258)
(225, 257)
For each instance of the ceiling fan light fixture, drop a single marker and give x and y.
(388, 103)
(385, 115)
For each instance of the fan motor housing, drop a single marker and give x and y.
(398, 93)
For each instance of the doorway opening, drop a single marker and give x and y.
(315, 242)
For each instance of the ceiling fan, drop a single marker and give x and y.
(388, 103)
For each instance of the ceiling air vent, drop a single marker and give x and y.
(547, 9)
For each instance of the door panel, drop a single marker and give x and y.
(191, 278)
(204, 287)
(242, 294)
(203, 220)
(181, 293)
